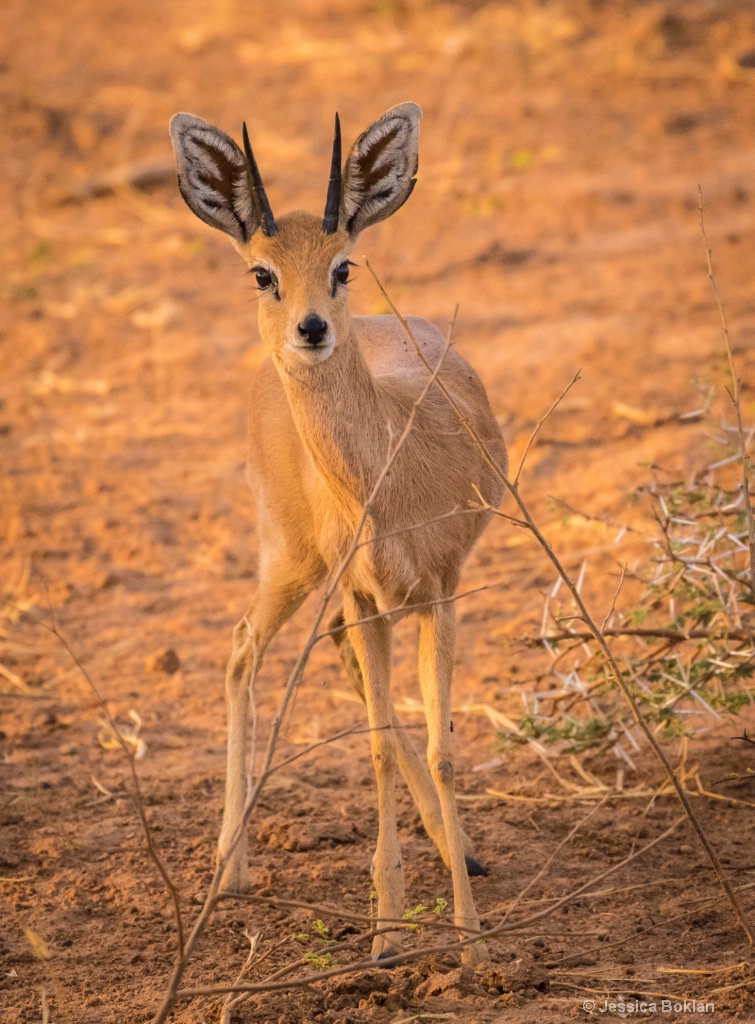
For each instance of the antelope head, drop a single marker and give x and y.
(300, 262)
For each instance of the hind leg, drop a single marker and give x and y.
(436, 658)
(372, 646)
(411, 764)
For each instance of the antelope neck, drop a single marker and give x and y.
(340, 415)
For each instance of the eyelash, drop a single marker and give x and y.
(336, 281)
(270, 282)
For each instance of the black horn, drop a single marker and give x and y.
(333, 202)
(259, 195)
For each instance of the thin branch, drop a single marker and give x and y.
(564, 842)
(355, 730)
(12, 695)
(230, 1002)
(324, 910)
(420, 526)
(607, 619)
(745, 738)
(628, 983)
(340, 947)
(541, 421)
(409, 607)
(252, 762)
(675, 636)
(613, 667)
(429, 919)
(135, 784)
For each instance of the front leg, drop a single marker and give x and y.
(437, 640)
(239, 677)
(372, 646)
(282, 589)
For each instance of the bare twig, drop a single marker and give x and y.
(730, 988)
(745, 738)
(430, 919)
(355, 730)
(230, 1003)
(616, 991)
(541, 421)
(409, 607)
(675, 636)
(11, 695)
(610, 612)
(536, 878)
(135, 784)
(420, 526)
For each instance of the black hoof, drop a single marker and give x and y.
(386, 955)
(475, 869)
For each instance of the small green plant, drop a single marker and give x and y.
(573, 734)
(323, 931)
(439, 907)
(319, 961)
(409, 914)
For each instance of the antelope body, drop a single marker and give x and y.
(326, 407)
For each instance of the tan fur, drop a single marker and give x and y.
(323, 419)
(319, 435)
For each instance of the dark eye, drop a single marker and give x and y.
(264, 277)
(341, 273)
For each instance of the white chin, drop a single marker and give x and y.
(310, 354)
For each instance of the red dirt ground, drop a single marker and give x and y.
(561, 149)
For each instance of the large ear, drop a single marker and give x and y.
(378, 176)
(213, 177)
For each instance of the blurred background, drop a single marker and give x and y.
(557, 203)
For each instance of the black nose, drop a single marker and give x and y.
(313, 329)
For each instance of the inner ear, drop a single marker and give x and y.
(378, 176)
(213, 177)
(377, 160)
